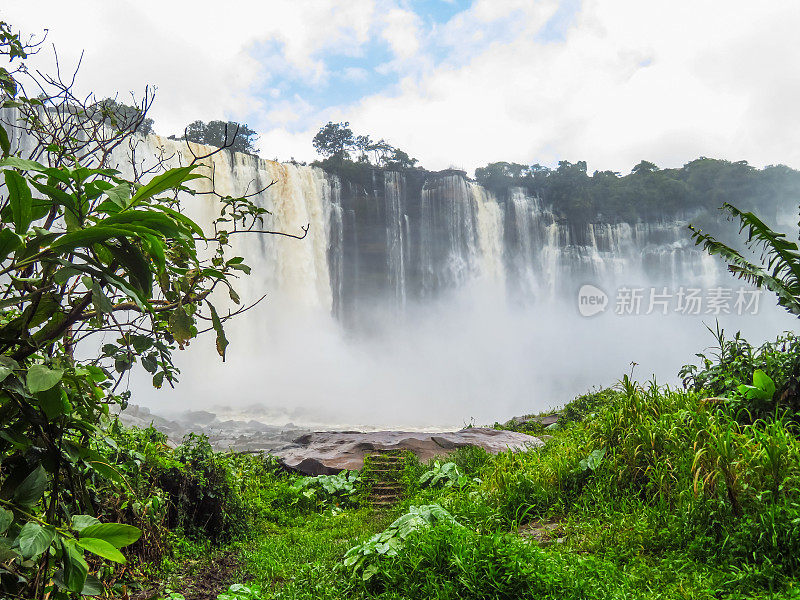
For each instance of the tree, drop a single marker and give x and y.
(362, 144)
(645, 167)
(195, 132)
(381, 150)
(500, 176)
(400, 160)
(121, 117)
(222, 134)
(335, 140)
(85, 252)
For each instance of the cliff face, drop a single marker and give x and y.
(410, 237)
(395, 239)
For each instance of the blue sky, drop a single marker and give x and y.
(460, 82)
(373, 67)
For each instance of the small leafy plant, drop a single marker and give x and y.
(361, 558)
(763, 387)
(240, 591)
(593, 461)
(337, 490)
(444, 475)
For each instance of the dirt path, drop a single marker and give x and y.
(200, 582)
(212, 578)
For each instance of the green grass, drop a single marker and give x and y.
(595, 561)
(642, 492)
(301, 560)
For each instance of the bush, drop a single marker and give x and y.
(203, 493)
(734, 362)
(587, 405)
(323, 491)
(449, 561)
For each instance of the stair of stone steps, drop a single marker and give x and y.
(383, 474)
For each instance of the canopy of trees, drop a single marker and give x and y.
(338, 144)
(231, 135)
(121, 117)
(647, 191)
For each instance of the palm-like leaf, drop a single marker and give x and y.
(779, 270)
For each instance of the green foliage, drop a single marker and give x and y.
(587, 406)
(470, 460)
(362, 560)
(121, 117)
(342, 489)
(648, 192)
(593, 461)
(442, 475)
(221, 134)
(84, 251)
(302, 557)
(334, 140)
(456, 563)
(500, 176)
(779, 270)
(337, 143)
(728, 370)
(763, 387)
(240, 592)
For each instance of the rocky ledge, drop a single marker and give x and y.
(328, 452)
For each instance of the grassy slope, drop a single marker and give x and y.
(642, 492)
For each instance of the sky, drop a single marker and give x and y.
(456, 83)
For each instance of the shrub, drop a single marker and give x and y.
(734, 362)
(448, 561)
(443, 475)
(342, 489)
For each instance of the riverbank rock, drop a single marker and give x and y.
(543, 420)
(328, 452)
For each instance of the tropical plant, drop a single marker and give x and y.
(442, 475)
(240, 591)
(85, 253)
(728, 369)
(779, 270)
(361, 559)
(329, 490)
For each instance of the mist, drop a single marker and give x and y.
(467, 359)
(424, 301)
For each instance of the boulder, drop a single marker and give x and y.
(544, 420)
(328, 452)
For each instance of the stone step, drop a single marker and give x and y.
(385, 468)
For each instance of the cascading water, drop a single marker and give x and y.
(420, 299)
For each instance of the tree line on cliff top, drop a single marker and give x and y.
(646, 192)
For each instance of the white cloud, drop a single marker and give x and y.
(630, 80)
(202, 57)
(402, 32)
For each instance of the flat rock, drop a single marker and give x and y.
(328, 452)
(544, 420)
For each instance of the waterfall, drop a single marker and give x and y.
(422, 298)
(412, 236)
